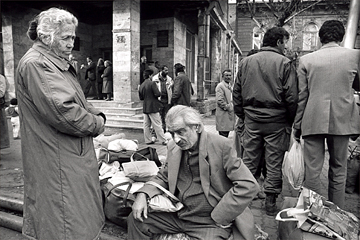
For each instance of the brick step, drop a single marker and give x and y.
(118, 122)
(124, 116)
(129, 111)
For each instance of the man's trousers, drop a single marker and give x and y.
(272, 140)
(161, 222)
(314, 155)
(154, 120)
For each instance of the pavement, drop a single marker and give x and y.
(11, 185)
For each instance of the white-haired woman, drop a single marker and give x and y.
(62, 197)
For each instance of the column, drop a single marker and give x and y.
(203, 51)
(8, 52)
(126, 51)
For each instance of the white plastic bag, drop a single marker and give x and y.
(293, 166)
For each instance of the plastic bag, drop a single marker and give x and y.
(318, 216)
(293, 166)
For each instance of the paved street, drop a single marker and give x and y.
(11, 184)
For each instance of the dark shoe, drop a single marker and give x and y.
(150, 143)
(270, 204)
(107, 99)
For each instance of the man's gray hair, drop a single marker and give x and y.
(48, 23)
(190, 116)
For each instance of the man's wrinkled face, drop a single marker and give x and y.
(64, 40)
(184, 136)
(227, 77)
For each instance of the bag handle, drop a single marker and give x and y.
(126, 192)
(168, 193)
(132, 156)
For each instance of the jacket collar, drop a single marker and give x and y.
(61, 63)
(272, 49)
(204, 166)
(329, 45)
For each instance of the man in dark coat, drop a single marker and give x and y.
(90, 77)
(265, 98)
(149, 93)
(182, 87)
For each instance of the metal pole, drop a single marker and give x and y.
(352, 24)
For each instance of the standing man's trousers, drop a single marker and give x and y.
(314, 155)
(273, 139)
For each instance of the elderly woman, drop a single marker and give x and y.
(62, 196)
(108, 80)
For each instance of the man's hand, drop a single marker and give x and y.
(297, 134)
(140, 207)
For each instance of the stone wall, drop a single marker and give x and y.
(148, 33)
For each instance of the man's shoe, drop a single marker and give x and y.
(270, 204)
(165, 143)
(150, 143)
(95, 98)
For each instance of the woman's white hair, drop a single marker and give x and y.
(47, 24)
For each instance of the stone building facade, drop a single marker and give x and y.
(194, 33)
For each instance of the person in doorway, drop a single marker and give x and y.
(4, 100)
(100, 67)
(203, 171)
(225, 117)
(75, 64)
(265, 98)
(107, 77)
(90, 77)
(13, 112)
(327, 109)
(164, 83)
(62, 196)
(149, 93)
(143, 66)
(151, 65)
(182, 90)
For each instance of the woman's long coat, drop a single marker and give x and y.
(108, 80)
(225, 117)
(62, 197)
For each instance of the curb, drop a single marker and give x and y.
(15, 223)
(11, 203)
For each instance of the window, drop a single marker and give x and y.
(310, 37)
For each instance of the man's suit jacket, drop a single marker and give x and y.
(182, 90)
(228, 184)
(326, 100)
(149, 92)
(90, 72)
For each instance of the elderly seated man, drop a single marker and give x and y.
(203, 171)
